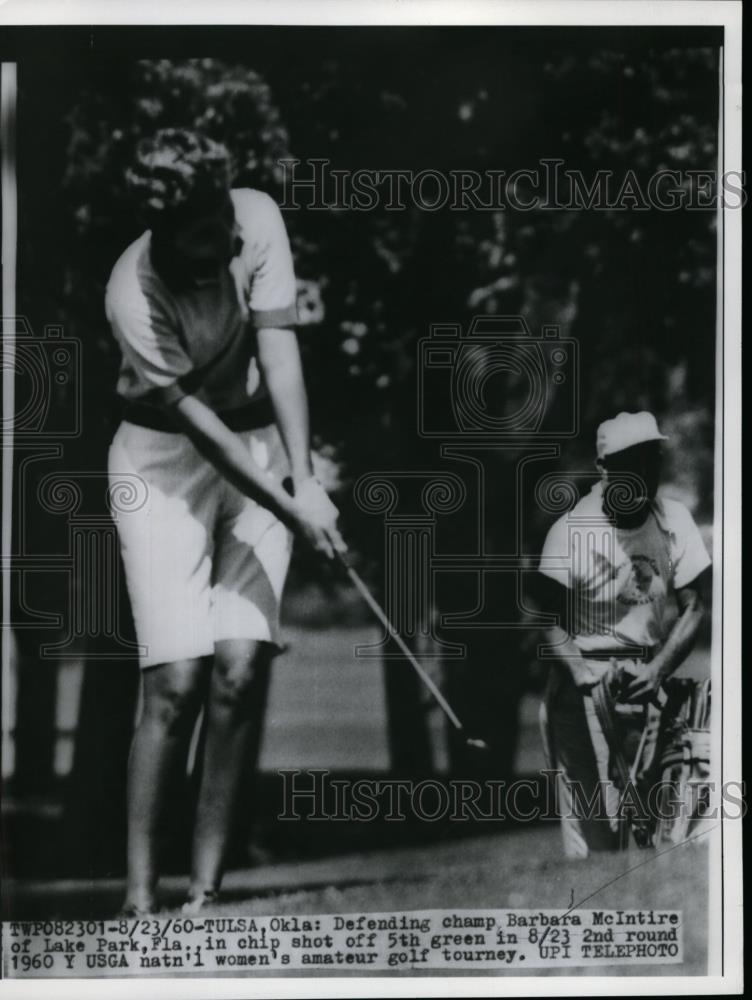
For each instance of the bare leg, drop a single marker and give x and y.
(172, 696)
(236, 681)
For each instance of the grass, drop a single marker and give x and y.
(327, 709)
(520, 870)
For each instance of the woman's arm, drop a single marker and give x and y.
(220, 446)
(282, 371)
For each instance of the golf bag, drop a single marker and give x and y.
(683, 794)
(668, 776)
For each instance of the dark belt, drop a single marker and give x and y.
(258, 413)
(646, 655)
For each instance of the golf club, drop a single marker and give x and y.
(365, 593)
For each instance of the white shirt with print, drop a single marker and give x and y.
(622, 582)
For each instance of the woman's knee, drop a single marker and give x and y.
(237, 672)
(173, 694)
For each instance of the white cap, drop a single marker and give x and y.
(626, 430)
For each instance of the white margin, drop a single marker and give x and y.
(354, 12)
(725, 13)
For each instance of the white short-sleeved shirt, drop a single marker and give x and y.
(167, 334)
(623, 581)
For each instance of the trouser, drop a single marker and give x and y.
(588, 800)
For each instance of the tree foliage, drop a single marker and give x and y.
(635, 288)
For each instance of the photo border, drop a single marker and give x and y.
(726, 643)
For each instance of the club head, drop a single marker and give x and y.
(476, 744)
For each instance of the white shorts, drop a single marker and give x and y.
(202, 561)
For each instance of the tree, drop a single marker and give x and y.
(634, 288)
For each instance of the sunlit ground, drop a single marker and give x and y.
(327, 710)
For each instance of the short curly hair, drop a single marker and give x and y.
(177, 173)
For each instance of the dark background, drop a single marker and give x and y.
(635, 289)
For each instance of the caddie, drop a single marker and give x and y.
(621, 571)
(203, 307)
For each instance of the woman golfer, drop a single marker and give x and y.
(203, 307)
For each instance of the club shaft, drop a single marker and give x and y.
(373, 604)
(638, 756)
